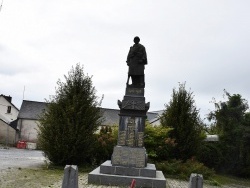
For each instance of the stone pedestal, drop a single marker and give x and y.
(107, 174)
(129, 158)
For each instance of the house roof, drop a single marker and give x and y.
(111, 116)
(9, 99)
(3, 120)
(12, 124)
(156, 120)
(31, 109)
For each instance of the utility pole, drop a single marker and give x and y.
(7, 137)
(23, 91)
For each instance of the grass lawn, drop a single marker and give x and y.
(231, 180)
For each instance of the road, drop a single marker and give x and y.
(20, 158)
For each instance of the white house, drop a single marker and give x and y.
(8, 123)
(8, 110)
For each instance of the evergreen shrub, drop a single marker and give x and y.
(67, 126)
(183, 170)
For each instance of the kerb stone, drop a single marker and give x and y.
(195, 181)
(70, 178)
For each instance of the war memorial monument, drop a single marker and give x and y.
(129, 158)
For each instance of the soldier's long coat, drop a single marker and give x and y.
(136, 59)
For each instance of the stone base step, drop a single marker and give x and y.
(95, 177)
(148, 171)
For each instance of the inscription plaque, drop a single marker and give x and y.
(128, 156)
(140, 139)
(122, 138)
(131, 132)
(133, 105)
(135, 91)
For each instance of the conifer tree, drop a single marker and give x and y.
(66, 130)
(182, 115)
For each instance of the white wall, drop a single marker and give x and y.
(3, 110)
(28, 129)
(7, 132)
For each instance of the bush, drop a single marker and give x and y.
(211, 154)
(183, 170)
(104, 144)
(159, 146)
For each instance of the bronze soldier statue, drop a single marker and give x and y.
(136, 60)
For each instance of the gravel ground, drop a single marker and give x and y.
(22, 169)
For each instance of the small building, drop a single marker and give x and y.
(28, 117)
(30, 111)
(8, 120)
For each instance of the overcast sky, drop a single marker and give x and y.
(204, 43)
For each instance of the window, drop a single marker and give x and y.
(8, 109)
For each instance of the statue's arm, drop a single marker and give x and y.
(129, 55)
(145, 56)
